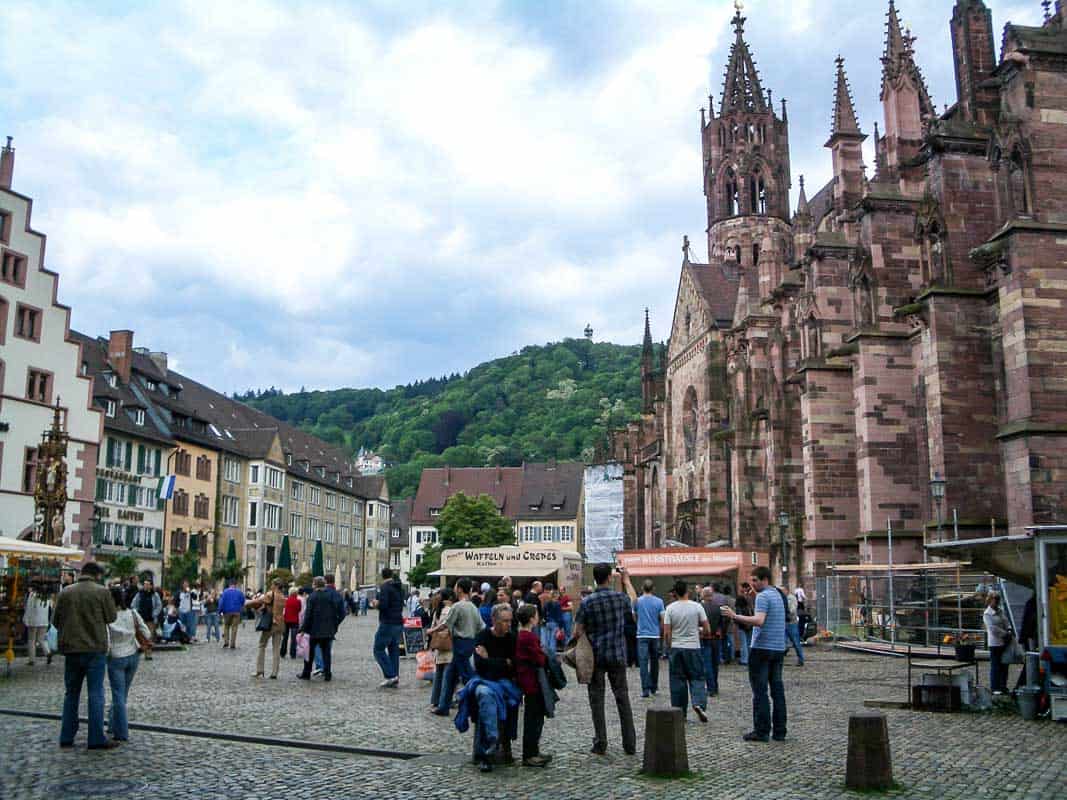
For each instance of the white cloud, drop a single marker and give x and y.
(376, 180)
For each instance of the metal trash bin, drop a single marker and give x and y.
(1027, 699)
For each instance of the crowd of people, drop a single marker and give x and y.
(504, 645)
(495, 650)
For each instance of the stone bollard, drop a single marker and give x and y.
(869, 765)
(665, 750)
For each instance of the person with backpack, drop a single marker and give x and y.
(792, 625)
(711, 642)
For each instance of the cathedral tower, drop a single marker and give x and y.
(746, 162)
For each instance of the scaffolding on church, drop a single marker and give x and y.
(932, 604)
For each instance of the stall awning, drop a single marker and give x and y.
(21, 548)
(688, 561)
(511, 561)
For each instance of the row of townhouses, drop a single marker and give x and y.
(135, 426)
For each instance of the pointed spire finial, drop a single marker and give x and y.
(741, 87)
(646, 346)
(803, 209)
(844, 121)
(685, 249)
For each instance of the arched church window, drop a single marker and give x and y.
(689, 423)
(688, 321)
(758, 194)
(737, 254)
(752, 133)
(731, 198)
(755, 254)
(722, 136)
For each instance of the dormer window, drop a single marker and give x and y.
(435, 512)
(322, 472)
(557, 506)
(138, 416)
(112, 379)
(150, 385)
(534, 507)
(289, 459)
(85, 368)
(110, 408)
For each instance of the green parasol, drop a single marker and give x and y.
(316, 560)
(285, 559)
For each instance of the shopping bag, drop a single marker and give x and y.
(303, 645)
(1013, 653)
(51, 639)
(425, 665)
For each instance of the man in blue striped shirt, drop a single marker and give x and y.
(765, 658)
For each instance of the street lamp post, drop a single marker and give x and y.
(937, 492)
(783, 526)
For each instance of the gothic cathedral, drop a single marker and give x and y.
(828, 366)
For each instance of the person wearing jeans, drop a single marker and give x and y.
(390, 629)
(792, 635)
(231, 605)
(211, 617)
(649, 612)
(122, 661)
(765, 658)
(464, 622)
(83, 612)
(684, 622)
(602, 617)
(711, 643)
(998, 635)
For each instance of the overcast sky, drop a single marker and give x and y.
(331, 194)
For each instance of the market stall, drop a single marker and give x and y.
(22, 564)
(699, 564)
(561, 567)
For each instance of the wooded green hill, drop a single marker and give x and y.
(550, 402)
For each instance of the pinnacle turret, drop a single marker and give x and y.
(898, 61)
(844, 122)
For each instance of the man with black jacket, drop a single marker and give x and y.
(321, 618)
(390, 629)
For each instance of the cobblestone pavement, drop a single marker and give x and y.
(994, 755)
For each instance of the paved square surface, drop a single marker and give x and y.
(207, 688)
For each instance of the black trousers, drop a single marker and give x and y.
(326, 646)
(532, 725)
(289, 639)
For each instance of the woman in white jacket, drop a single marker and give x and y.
(36, 618)
(122, 661)
(998, 635)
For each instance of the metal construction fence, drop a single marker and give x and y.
(916, 604)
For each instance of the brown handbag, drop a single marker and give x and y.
(441, 640)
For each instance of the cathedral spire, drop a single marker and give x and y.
(803, 209)
(844, 122)
(646, 347)
(898, 61)
(741, 89)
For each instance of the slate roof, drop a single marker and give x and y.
(821, 203)
(551, 490)
(94, 354)
(717, 284)
(437, 485)
(400, 518)
(216, 421)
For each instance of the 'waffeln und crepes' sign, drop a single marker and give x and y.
(504, 561)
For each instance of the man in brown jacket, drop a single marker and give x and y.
(83, 612)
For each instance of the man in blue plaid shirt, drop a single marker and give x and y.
(602, 618)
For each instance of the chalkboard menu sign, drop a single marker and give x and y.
(414, 636)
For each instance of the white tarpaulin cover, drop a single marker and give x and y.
(513, 562)
(603, 512)
(21, 547)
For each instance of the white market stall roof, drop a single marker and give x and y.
(22, 548)
(512, 561)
